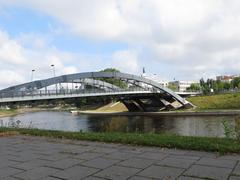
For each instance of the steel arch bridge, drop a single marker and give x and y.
(140, 94)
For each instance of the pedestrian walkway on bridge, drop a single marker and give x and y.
(32, 158)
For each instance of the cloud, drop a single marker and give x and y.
(189, 38)
(8, 77)
(10, 51)
(17, 61)
(20, 55)
(126, 61)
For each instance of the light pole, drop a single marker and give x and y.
(53, 66)
(54, 75)
(33, 70)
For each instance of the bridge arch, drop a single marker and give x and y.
(39, 84)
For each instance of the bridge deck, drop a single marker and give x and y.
(64, 96)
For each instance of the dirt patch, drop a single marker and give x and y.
(10, 133)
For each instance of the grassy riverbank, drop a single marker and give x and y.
(13, 112)
(8, 112)
(221, 145)
(217, 102)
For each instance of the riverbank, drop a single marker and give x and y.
(164, 113)
(222, 104)
(7, 112)
(229, 101)
(221, 145)
(14, 112)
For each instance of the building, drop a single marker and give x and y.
(156, 78)
(225, 78)
(181, 86)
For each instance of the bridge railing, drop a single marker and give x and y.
(62, 92)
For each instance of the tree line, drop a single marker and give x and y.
(216, 86)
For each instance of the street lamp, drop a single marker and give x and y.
(54, 75)
(33, 70)
(53, 66)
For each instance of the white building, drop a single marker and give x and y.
(156, 78)
(181, 86)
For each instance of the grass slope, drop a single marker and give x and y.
(5, 112)
(221, 101)
(221, 145)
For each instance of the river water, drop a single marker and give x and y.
(205, 126)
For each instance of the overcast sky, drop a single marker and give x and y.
(181, 39)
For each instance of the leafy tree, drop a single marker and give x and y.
(219, 86)
(110, 70)
(236, 82)
(202, 82)
(114, 81)
(194, 87)
(227, 86)
(173, 87)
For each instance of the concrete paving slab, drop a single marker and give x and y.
(30, 164)
(176, 162)
(94, 178)
(54, 157)
(117, 172)
(87, 156)
(208, 172)
(64, 163)
(26, 157)
(184, 157)
(216, 162)
(160, 172)
(10, 178)
(139, 178)
(49, 178)
(188, 178)
(234, 178)
(8, 171)
(5, 162)
(237, 169)
(100, 163)
(76, 172)
(152, 155)
(36, 174)
(120, 155)
(137, 163)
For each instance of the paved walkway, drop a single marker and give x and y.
(33, 158)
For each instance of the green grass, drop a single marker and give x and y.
(221, 101)
(7, 112)
(221, 145)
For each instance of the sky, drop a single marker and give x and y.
(175, 39)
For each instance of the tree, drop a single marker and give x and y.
(173, 87)
(236, 82)
(114, 81)
(194, 87)
(202, 82)
(227, 86)
(110, 70)
(218, 86)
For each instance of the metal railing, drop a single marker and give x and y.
(66, 92)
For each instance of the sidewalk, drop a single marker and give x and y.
(30, 158)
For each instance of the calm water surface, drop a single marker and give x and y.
(207, 126)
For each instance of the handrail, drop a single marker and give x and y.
(66, 92)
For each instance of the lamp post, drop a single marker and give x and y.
(33, 70)
(54, 75)
(53, 67)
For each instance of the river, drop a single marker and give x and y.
(205, 126)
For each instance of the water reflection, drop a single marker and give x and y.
(208, 126)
